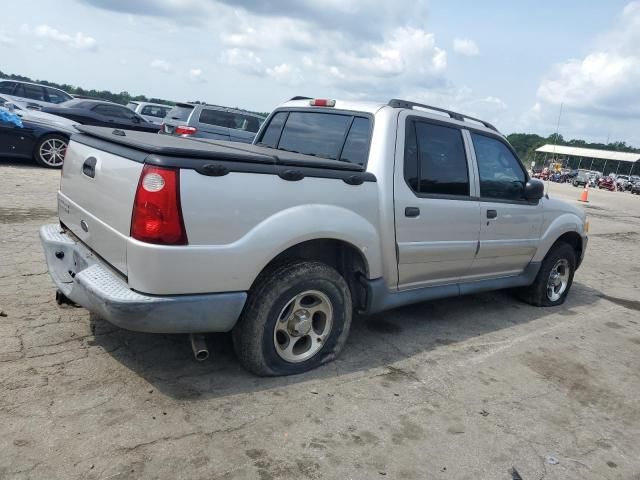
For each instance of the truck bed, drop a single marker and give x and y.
(160, 145)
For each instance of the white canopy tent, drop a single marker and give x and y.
(587, 156)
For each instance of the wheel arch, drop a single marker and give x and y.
(342, 255)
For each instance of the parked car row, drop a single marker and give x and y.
(48, 112)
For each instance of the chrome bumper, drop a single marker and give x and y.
(85, 279)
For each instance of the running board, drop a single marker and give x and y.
(379, 298)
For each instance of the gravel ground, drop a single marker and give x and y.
(465, 388)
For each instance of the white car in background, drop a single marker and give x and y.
(151, 112)
(32, 95)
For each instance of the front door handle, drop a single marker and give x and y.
(492, 213)
(411, 211)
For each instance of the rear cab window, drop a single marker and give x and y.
(335, 135)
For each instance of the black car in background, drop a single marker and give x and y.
(101, 114)
(42, 137)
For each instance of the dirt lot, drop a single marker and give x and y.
(465, 388)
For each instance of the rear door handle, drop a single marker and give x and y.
(411, 211)
(492, 213)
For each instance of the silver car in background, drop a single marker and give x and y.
(151, 112)
(32, 94)
(212, 121)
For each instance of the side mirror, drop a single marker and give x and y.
(135, 119)
(534, 190)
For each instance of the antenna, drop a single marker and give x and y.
(555, 141)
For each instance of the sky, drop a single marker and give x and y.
(511, 63)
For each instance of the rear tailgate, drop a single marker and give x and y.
(96, 197)
(100, 176)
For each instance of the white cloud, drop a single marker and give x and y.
(5, 39)
(605, 83)
(162, 65)
(464, 46)
(243, 60)
(79, 41)
(195, 75)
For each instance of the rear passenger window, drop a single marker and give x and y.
(435, 160)
(33, 92)
(218, 118)
(501, 174)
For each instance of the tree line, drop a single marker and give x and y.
(525, 144)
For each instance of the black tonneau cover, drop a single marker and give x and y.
(197, 148)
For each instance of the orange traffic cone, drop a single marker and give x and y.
(584, 196)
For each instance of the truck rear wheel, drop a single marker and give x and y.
(554, 280)
(296, 318)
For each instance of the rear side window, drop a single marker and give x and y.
(33, 92)
(113, 111)
(180, 112)
(356, 146)
(219, 118)
(56, 96)
(328, 135)
(501, 174)
(154, 111)
(435, 161)
(7, 87)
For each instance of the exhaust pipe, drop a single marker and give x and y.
(199, 346)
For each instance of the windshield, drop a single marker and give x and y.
(336, 136)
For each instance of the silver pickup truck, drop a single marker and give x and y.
(336, 207)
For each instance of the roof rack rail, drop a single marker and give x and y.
(300, 97)
(397, 103)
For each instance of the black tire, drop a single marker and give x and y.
(253, 335)
(536, 293)
(43, 160)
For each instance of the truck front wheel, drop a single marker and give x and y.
(554, 280)
(297, 317)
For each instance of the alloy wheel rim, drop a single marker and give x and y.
(558, 280)
(303, 326)
(52, 152)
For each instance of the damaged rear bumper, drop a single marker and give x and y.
(88, 281)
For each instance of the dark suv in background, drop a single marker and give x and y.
(211, 121)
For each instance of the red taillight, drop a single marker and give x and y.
(157, 215)
(322, 102)
(184, 130)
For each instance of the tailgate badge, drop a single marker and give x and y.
(84, 225)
